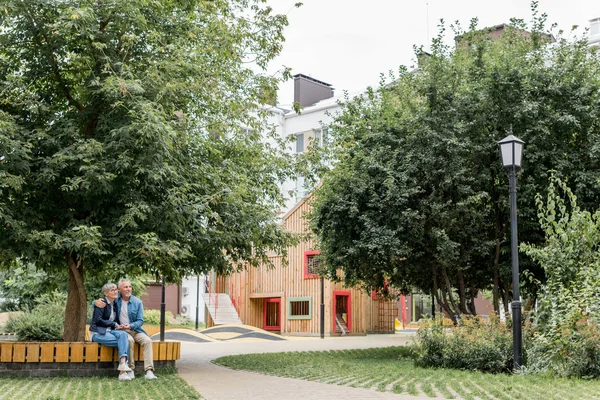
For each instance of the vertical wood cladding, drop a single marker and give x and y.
(250, 287)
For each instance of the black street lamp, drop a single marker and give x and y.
(511, 148)
(162, 310)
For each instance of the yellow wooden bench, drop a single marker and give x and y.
(85, 352)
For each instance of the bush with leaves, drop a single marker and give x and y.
(152, 317)
(564, 339)
(43, 323)
(471, 345)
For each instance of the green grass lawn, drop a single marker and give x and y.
(391, 369)
(167, 386)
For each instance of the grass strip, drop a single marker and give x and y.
(168, 386)
(392, 369)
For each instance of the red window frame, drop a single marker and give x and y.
(374, 295)
(306, 255)
(348, 311)
(272, 327)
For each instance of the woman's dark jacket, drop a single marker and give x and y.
(101, 319)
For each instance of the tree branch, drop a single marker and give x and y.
(52, 59)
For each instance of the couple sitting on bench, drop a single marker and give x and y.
(117, 322)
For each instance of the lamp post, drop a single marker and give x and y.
(511, 148)
(197, 300)
(322, 307)
(162, 310)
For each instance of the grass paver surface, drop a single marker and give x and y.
(391, 369)
(167, 386)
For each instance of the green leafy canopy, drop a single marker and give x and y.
(128, 131)
(414, 193)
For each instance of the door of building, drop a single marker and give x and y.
(272, 314)
(342, 312)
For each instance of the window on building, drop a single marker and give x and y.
(300, 189)
(300, 307)
(312, 264)
(321, 136)
(300, 143)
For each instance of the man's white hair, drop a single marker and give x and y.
(122, 281)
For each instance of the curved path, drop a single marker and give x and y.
(216, 383)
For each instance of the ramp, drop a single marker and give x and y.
(221, 309)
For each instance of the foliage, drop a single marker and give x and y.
(572, 352)
(129, 132)
(413, 192)
(472, 345)
(565, 339)
(44, 322)
(152, 317)
(22, 284)
(392, 370)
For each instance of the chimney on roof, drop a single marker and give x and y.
(595, 31)
(308, 91)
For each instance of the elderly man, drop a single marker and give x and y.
(131, 316)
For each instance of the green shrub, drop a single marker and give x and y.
(35, 326)
(572, 352)
(472, 345)
(152, 317)
(561, 341)
(44, 323)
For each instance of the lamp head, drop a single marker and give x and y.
(511, 148)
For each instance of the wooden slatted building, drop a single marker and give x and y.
(287, 299)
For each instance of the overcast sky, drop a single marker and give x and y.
(348, 43)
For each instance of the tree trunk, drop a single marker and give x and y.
(448, 292)
(473, 292)
(505, 299)
(76, 310)
(498, 232)
(462, 295)
(445, 304)
(496, 297)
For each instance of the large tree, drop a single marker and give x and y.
(128, 136)
(416, 195)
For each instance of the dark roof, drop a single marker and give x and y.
(311, 79)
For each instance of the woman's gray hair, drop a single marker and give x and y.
(108, 287)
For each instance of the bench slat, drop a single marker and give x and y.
(76, 351)
(33, 352)
(62, 352)
(163, 350)
(6, 352)
(106, 353)
(19, 352)
(47, 352)
(91, 352)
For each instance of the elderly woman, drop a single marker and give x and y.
(105, 329)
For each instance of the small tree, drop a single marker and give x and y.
(570, 258)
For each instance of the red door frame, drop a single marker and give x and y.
(348, 311)
(272, 300)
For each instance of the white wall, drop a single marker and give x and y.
(310, 119)
(188, 298)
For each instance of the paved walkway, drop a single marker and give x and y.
(215, 383)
